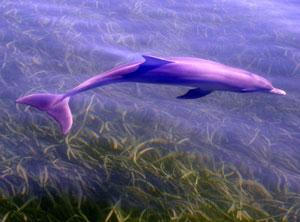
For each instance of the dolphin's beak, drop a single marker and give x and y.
(277, 91)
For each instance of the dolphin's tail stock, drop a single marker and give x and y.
(54, 104)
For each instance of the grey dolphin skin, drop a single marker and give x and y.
(203, 76)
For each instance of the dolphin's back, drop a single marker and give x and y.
(217, 75)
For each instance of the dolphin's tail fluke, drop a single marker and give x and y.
(54, 104)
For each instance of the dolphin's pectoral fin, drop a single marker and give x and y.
(194, 94)
(154, 61)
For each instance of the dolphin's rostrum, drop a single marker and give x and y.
(203, 75)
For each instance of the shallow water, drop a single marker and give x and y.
(53, 45)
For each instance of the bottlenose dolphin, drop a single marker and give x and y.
(203, 75)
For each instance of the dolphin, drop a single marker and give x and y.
(203, 76)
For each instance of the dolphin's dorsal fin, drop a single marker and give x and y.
(148, 65)
(194, 94)
(154, 61)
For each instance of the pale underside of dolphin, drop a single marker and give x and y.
(203, 76)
